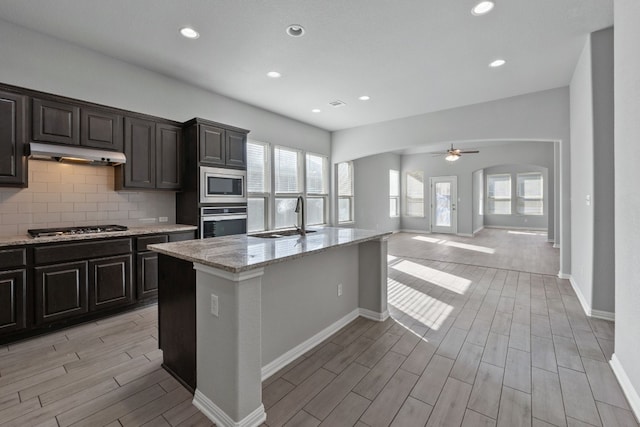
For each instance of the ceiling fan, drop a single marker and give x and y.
(453, 154)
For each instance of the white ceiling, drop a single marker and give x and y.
(410, 56)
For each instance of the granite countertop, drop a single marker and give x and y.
(132, 231)
(240, 252)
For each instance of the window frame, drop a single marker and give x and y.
(394, 197)
(301, 178)
(349, 197)
(264, 195)
(520, 197)
(492, 198)
(324, 195)
(410, 199)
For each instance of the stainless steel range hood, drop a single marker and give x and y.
(73, 154)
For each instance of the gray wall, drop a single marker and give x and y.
(478, 201)
(515, 219)
(592, 180)
(627, 196)
(540, 116)
(371, 192)
(35, 61)
(538, 153)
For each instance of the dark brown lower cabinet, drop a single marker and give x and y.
(110, 282)
(147, 280)
(177, 318)
(13, 301)
(60, 291)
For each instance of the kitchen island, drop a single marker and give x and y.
(260, 303)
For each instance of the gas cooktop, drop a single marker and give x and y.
(63, 231)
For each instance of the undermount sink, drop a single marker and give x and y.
(279, 233)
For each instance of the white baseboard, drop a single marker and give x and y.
(598, 314)
(562, 275)
(291, 355)
(627, 387)
(221, 419)
(374, 315)
(477, 230)
(556, 245)
(604, 315)
(464, 234)
(505, 227)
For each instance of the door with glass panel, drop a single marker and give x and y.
(444, 204)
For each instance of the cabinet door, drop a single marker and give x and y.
(54, 121)
(168, 157)
(110, 282)
(140, 149)
(12, 139)
(12, 301)
(236, 149)
(100, 129)
(147, 277)
(211, 145)
(60, 291)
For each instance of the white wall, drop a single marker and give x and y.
(371, 192)
(537, 153)
(592, 180)
(540, 116)
(627, 197)
(582, 175)
(515, 219)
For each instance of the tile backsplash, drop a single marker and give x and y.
(66, 195)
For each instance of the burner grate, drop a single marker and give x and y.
(64, 231)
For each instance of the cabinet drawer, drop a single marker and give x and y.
(183, 235)
(142, 242)
(83, 250)
(15, 257)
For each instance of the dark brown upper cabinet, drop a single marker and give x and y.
(212, 145)
(216, 144)
(236, 149)
(140, 149)
(13, 164)
(168, 157)
(154, 156)
(54, 121)
(101, 129)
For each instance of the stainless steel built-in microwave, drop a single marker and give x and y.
(218, 185)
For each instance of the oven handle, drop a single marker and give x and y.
(207, 218)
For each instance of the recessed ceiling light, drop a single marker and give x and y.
(364, 98)
(273, 74)
(295, 30)
(189, 33)
(482, 8)
(497, 63)
(316, 110)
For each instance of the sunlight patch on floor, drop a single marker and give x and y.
(448, 281)
(528, 233)
(420, 306)
(459, 245)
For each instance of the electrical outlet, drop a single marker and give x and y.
(339, 289)
(163, 219)
(214, 305)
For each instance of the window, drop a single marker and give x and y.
(345, 192)
(415, 194)
(394, 193)
(317, 193)
(530, 194)
(286, 167)
(258, 183)
(499, 194)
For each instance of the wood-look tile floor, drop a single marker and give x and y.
(466, 346)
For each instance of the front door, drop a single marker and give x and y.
(444, 201)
